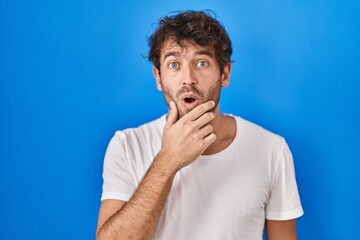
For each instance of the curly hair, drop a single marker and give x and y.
(197, 27)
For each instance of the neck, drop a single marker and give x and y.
(225, 131)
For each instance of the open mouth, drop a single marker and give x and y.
(189, 100)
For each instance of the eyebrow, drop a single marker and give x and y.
(173, 53)
(204, 52)
(200, 52)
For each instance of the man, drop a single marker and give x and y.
(196, 173)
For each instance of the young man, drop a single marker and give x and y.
(196, 173)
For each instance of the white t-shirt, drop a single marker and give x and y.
(227, 195)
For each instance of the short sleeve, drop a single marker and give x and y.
(284, 201)
(118, 180)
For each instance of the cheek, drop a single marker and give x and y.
(207, 77)
(171, 78)
(169, 83)
(167, 92)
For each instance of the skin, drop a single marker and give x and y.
(190, 71)
(281, 230)
(191, 129)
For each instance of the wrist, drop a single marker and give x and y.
(167, 163)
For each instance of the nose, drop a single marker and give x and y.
(189, 77)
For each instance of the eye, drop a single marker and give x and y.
(173, 65)
(202, 64)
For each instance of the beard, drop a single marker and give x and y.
(212, 94)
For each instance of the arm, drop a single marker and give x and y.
(183, 141)
(281, 230)
(138, 218)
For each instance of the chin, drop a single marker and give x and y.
(182, 113)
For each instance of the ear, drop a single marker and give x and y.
(225, 77)
(156, 74)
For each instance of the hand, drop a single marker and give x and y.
(187, 138)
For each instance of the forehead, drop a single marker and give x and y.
(173, 48)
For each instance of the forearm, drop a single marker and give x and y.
(139, 217)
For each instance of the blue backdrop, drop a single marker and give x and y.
(73, 72)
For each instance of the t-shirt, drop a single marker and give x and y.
(226, 195)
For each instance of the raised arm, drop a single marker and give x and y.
(183, 141)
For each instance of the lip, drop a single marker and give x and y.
(190, 105)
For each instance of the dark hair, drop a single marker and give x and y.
(198, 27)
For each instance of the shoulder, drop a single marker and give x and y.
(139, 144)
(137, 138)
(147, 130)
(258, 135)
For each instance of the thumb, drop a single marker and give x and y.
(173, 115)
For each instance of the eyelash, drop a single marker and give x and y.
(169, 65)
(198, 63)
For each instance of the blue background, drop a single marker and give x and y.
(73, 72)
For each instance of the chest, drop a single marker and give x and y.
(216, 200)
(233, 186)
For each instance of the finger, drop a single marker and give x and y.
(208, 140)
(200, 110)
(206, 130)
(172, 116)
(204, 119)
